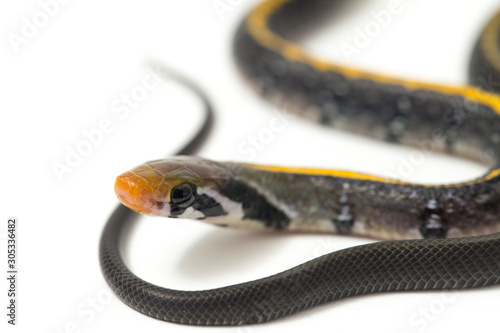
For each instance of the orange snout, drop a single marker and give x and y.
(135, 192)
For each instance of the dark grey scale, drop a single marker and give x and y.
(494, 141)
(365, 92)
(315, 92)
(302, 79)
(368, 93)
(419, 98)
(388, 94)
(482, 72)
(486, 122)
(428, 112)
(324, 95)
(396, 127)
(433, 224)
(495, 137)
(345, 220)
(266, 79)
(450, 141)
(329, 112)
(336, 84)
(332, 96)
(374, 109)
(460, 106)
(396, 113)
(453, 117)
(285, 81)
(247, 51)
(488, 155)
(279, 67)
(255, 206)
(208, 206)
(341, 90)
(352, 95)
(265, 84)
(328, 108)
(309, 77)
(403, 104)
(429, 102)
(332, 79)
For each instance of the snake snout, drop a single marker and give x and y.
(135, 192)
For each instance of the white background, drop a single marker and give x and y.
(65, 79)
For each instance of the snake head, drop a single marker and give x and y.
(182, 186)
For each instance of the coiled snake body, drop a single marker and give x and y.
(454, 229)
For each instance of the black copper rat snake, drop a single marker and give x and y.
(382, 107)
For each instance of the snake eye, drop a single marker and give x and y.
(183, 195)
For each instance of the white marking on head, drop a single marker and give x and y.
(191, 213)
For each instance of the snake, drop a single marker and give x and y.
(432, 236)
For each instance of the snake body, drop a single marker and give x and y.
(454, 228)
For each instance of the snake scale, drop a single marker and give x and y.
(438, 236)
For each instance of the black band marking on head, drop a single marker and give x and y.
(208, 206)
(175, 211)
(255, 206)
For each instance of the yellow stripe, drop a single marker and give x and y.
(325, 172)
(257, 27)
(360, 176)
